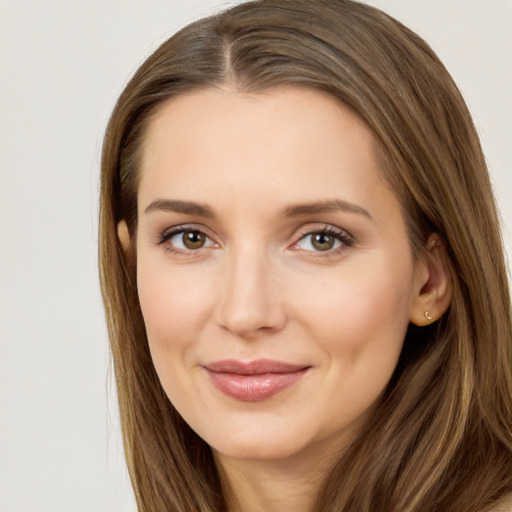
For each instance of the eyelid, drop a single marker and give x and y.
(164, 236)
(184, 227)
(346, 239)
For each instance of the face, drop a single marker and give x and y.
(274, 270)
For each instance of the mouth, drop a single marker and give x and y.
(254, 380)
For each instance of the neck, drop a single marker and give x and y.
(273, 486)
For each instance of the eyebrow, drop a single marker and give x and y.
(192, 208)
(172, 205)
(335, 205)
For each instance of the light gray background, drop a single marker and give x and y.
(62, 65)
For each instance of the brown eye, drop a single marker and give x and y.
(322, 241)
(183, 240)
(193, 239)
(325, 240)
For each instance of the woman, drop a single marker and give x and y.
(303, 273)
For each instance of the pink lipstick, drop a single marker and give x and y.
(255, 380)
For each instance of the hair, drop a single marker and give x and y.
(441, 438)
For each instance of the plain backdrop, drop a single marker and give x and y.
(62, 65)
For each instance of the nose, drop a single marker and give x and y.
(251, 296)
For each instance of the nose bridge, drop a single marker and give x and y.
(251, 298)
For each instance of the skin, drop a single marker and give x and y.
(259, 288)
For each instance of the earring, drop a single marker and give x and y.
(427, 316)
(432, 245)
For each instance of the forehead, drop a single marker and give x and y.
(288, 133)
(292, 108)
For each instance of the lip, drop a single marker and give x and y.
(253, 381)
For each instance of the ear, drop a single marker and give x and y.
(124, 235)
(433, 287)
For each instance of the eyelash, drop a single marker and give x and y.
(166, 236)
(345, 239)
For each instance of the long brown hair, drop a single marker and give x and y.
(441, 439)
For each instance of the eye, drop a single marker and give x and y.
(324, 240)
(186, 239)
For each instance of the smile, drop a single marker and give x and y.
(253, 381)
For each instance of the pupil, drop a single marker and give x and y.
(323, 242)
(193, 239)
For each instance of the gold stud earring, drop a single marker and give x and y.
(427, 316)
(432, 245)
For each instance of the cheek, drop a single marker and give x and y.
(359, 312)
(175, 304)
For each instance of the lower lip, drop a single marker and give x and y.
(256, 387)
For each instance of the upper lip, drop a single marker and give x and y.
(256, 367)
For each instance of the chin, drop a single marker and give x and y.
(264, 442)
(265, 449)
